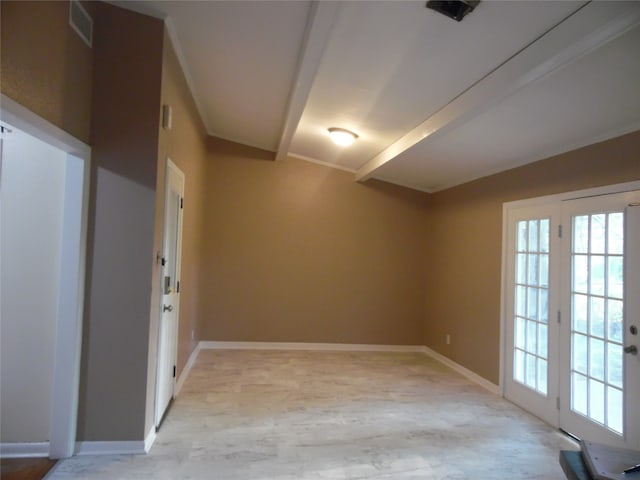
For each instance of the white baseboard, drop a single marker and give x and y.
(340, 347)
(149, 439)
(187, 368)
(474, 377)
(136, 447)
(24, 450)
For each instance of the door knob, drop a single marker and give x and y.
(632, 349)
(169, 308)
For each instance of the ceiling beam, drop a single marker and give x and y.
(587, 29)
(320, 22)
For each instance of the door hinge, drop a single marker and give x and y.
(558, 403)
(559, 317)
(174, 371)
(178, 286)
(181, 202)
(559, 231)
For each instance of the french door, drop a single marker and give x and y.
(572, 314)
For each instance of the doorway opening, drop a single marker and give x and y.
(570, 311)
(53, 168)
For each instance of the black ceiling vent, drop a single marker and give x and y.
(456, 9)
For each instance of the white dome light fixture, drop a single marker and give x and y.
(342, 136)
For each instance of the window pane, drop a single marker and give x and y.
(533, 269)
(614, 364)
(520, 333)
(579, 393)
(532, 336)
(596, 316)
(542, 341)
(533, 235)
(543, 310)
(596, 358)
(598, 229)
(596, 401)
(615, 282)
(544, 235)
(616, 233)
(614, 320)
(614, 409)
(542, 376)
(521, 301)
(579, 353)
(579, 313)
(581, 234)
(596, 275)
(532, 302)
(518, 365)
(522, 236)
(531, 371)
(544, 270)
(521, 268)
(580, 273)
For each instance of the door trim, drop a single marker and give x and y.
(69, 317)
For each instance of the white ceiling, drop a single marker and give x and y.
(435, 102)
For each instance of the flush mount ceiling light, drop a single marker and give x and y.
(342, 136)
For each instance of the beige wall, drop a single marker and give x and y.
(185, 145)
(120, 254)
(463, 282)
(45, 65)
(298, 252)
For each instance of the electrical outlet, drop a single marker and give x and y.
(193, 334)
(448, 339)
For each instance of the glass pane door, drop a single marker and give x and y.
(531, 312)
(597, 273)
(599, 381)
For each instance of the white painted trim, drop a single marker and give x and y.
(474, 377)
(338, 347)
(27, 121)
(69, 316)
(320, 22)
(402, 184)
(559, 197)
(187, 369)
(24, 450)
(321, 162)
(132, 447)
(588, 28)
(149, 439)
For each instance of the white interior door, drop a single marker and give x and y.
(600, 383)
(170, 286)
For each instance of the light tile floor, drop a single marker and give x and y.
(334, 415)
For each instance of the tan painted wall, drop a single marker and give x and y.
(45, 65)
(120, 256)
(463, 284)
(185, 144)
(298, 252)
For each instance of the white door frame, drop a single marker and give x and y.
(169, 165)
(69, 317)
(507, 213)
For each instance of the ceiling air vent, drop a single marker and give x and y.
(456, 9)
(81, 21)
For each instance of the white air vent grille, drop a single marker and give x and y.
(81, 21)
